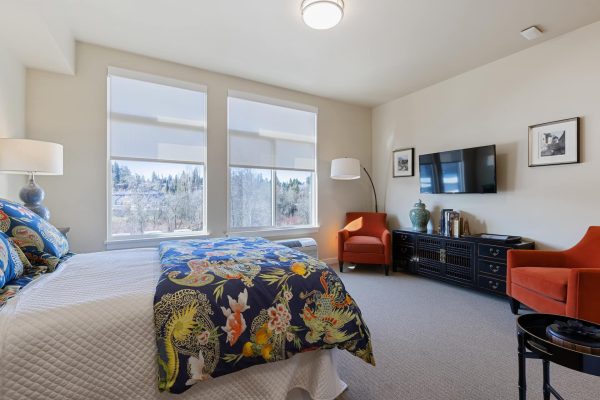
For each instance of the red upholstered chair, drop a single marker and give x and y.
(558, 282)
(365, 240)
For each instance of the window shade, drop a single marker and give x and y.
(157, 122)
(271, 136)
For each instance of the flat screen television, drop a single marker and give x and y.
(459, 171)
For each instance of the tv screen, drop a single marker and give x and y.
(459, 171)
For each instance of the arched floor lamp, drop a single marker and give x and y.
(346, 169)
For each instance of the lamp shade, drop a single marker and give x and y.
(23, 156)
(345, 169)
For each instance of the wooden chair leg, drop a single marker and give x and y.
(514, 306)
(387, 270)
(341, 266)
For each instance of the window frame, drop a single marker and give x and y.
(154, 238)
(273, 229)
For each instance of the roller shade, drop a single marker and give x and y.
(159, 122)
(266, 135)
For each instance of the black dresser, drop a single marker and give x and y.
(464, 261)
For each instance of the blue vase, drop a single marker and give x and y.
(419, 216)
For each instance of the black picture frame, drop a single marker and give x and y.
(408, 155)
(571, 152)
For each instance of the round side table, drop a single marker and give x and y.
(535, 343)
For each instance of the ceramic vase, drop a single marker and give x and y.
(419, 216)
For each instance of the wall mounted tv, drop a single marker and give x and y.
(459, 171)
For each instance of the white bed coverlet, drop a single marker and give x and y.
(86, 332)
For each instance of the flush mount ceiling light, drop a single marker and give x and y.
(322, 14)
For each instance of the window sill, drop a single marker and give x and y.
(277, 232)
(151, 241)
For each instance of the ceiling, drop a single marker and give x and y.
(382, 49)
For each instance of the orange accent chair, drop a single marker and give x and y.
(558, 282)
(365, 240)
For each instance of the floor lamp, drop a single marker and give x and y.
(346, 169)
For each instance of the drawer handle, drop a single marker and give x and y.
(494, 268)
(494, 285)
(494, 252)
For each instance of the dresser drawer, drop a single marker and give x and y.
(404, 263)
(492, 268)
(494, 252)
(405, 251)
(405, 238)
(492, 284)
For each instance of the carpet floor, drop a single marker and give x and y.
(436, 341)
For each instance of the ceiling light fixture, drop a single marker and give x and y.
(322, 14)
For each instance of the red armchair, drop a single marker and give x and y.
(365, 240)
(558, 282)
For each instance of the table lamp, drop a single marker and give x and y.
(31, 157)
(346, 169)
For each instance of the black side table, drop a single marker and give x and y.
(535, 343)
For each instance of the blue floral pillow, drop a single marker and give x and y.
(11, 266)
(31, 232)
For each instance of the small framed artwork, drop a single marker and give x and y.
(404, 162)
(554, 143)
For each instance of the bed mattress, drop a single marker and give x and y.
(86, 331)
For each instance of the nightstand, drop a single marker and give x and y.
(64, 231)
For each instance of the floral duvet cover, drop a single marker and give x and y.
(222, 305)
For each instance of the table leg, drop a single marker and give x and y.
(546, 366)
(522, 368)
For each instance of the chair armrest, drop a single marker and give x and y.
(343, 235)
(583, 294)
(536, 258)
(386, 239)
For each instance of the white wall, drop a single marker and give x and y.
(495, 104)
(71, 110)
(12, 114)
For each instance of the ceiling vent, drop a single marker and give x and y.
(531, 33)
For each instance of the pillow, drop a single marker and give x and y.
(27, 267)
(11, 266)
(48, 262)
(30, 231)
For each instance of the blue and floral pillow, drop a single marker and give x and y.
(31, 232)
(11, 266)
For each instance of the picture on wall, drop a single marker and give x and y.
(403, 162)
(554, 143)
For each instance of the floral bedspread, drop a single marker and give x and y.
(222, 305)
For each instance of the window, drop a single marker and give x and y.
(157, 153)
(272, 163)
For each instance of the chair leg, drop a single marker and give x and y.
(341, 266)
(514, 306)
(387, 270)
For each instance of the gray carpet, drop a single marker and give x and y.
(436, 341)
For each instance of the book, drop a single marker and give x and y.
(443, 223)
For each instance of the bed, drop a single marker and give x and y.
(86, 331)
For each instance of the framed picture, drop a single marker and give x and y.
(554, 143)
(403, 162)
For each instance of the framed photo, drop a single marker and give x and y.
(554, 143)
(403, 162)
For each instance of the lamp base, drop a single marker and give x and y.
(32, 196)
